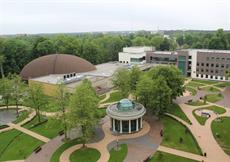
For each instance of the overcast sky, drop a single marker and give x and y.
(53, 16)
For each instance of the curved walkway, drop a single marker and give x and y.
(101, 146)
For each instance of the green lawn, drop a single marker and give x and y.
(200, 119)
(221, 131)
(210, 89)
(85, 155)
(48, 129)
(165, 157)
(115, 96)
(16, 145)
(22, 116)
(118, 155)
(196, 103)
(177, 136)
(192, 90)
(205, 81)
(176, 110)
(223, 84)
(194, 84)
(214, 97)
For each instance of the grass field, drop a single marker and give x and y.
(194, 84)
(176, 110)
(210, 89)
(177, 136)
(214, 97)
(48, 129)
(223, 84)
(192, 90)
(118, 156)
(221, 132)
(16, 145)
(165, 157)
(85, 155)
(115, 96)
(196, 103)
(56, 155)
(210, 82)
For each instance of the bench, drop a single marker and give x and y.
(37, 149)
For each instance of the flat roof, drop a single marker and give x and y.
(207, 50)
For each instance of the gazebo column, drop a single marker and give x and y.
(137, 125)
(113, 124)
(129, 126)
(120, 126)
(141, 122)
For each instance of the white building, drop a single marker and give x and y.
(133, 55)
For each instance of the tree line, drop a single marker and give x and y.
(17, 51)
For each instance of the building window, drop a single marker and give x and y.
(211, 71)
(217, 65)
(222, 65)
(206, 76)
(197, 75)
(189, 57)
(213, 58)
(206, 70)
(202, 64)
(198, 64)
(202, 70)
(216, 71)
(212, 65)
(217, 59)
(207, 64)
(221, 78)
(216, 77)
(201, 75)
(151, 57)
(223, 59)
(211, 77)
(197, 70)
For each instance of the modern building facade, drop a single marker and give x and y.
(194, 63)
(126, 116)
(133, 55)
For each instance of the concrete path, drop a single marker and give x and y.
(47, 150)
(182, 153)
(26, 131)
(101, 146)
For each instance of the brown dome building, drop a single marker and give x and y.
(55, 64)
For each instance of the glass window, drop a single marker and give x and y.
(202, 64)
(207, 64)
(212, 65)
(217, 65)
(198, 64)
(222, 65)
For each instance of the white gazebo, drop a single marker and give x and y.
(126, 116)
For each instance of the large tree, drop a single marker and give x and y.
(6, 90)
(18, 90)
(135, 75)
(2, 60)
(172, 76)
(121, 80)
(82, 110)
(36, 98)
(62, 101)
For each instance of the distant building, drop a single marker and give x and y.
(195, 63)
(133, 55)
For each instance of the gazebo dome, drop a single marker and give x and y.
(125, 105)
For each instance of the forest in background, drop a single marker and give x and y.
(17, 51)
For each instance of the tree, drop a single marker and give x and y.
(18, 90)
(154, 94)
(135, 75)
(62, 99)
(82, 110)
(172, 76)
(121, 80)
(36, 98)
(6, 90)
(2, 60)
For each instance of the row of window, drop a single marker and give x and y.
(217, 59)
(212, 65)
(211, 77)
(211, 71)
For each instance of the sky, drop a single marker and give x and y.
(64, 16)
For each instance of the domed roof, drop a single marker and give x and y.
(125, 104)
(55, 64)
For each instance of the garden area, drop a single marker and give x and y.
(177, 136)
(85, 155)
(176, 110)
(192, 90)
(118, 155)
(210, 82)
(48, 127)
(221, 132)
(202, 119)
(114, 96)
(16, 145)
(214, 97)
(166, 157)
(196, 103)
(210, 89)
